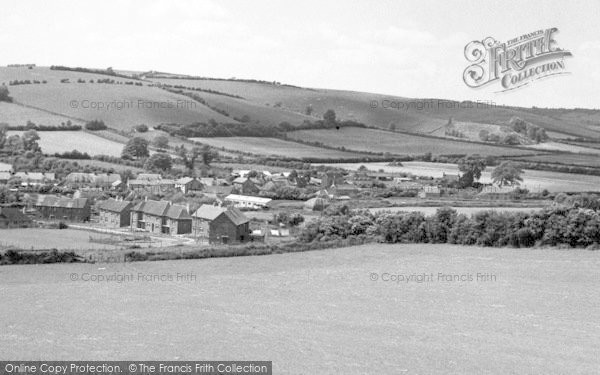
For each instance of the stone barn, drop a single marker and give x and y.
(220, 225)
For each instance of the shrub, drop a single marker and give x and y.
(95, 125)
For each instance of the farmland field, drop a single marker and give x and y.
(360, 139)
(65, 141)
(533, 180)
(16, 115)
(557, 146)
(274, 146)
(39, 238)
(320, 312)
(567, 159)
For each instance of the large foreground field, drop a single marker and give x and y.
(533, 180)
(360, 139)
(65, 141)
(321, 312)
(274, 146)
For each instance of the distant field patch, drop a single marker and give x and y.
(360, 139)
(557, 146)
(16, 115)
(533, 180)
(274, 146)
(65, 141)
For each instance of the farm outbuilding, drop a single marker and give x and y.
(221, 225)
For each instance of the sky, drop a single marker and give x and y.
(404, 48)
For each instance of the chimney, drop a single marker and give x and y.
(187, 207)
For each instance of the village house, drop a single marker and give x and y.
(12, 217)
(245, 186)
(161, 217)
(188, 184)
(114, 213)
(62, 208)
(220, 225)
(430, 192)
(244, 201)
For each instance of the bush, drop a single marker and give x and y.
(95, 125)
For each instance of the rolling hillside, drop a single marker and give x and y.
(48, 96)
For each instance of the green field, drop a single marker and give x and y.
(65, 141)
(274, 146)
(360, 139)
(319, 312)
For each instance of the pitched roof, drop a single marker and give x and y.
(114, 205)
(155, 208)
(64, 202)
(184, 180)
(178, 212)
(36, 176)
(208, 212)
(5, 175)
(236, 216)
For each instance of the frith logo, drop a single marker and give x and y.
(515, 63)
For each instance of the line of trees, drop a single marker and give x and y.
(574, 226)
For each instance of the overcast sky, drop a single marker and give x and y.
(405, 48)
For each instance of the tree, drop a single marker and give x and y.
(308, 110)
(160, 161)
(329, 117)
(3, 135)
(392, 127)
(507, 173)
(4, 94)
(29, 139)
(160, 141)
(135, 148)
(471, 168)
(208, 155)
(141, 128)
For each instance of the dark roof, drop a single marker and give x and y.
(236, 216)
(114, 205)
(156, 208)
(178, 212)
(13, 215)
(64, 202)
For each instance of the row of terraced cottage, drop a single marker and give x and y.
(215, 224)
